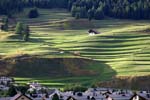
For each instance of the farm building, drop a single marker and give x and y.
(93, 32)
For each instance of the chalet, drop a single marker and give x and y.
(93, 32)
(21, 96)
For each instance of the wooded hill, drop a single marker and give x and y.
(9, 7)
(92, 9)
(98, 9)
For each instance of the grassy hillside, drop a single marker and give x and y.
(124, 45)
(49, 70)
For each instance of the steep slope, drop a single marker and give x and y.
(32, 66)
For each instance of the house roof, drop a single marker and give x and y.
(141, 98)
(95, 31)
(71, 98)
(51, 91)
(18, 95)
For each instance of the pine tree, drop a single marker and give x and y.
(12, 91)
(99, 14)
(4, 25)
(55, 97)
(19, 28)
(90, 14)
(73, 10)
(83, 12)
(33, 13)
(131, 9)
(26, 33)
(77, 16)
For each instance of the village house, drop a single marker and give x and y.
(35, 85)
(5, 80)
(35, 90)
(137, 97)
(20, 96)
(4, 88)
(71, 98)
(90, 94)
(4, 83)
(93, 94)
(51, 92)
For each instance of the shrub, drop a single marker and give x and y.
(75, 88)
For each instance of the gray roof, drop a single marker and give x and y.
(18, 95)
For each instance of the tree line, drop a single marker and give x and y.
(99, 9)
(92, 9)
(9, 7)
(46, 3)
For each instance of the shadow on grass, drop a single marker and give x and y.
(18, 38)
(61, 70)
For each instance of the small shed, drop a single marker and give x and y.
(93, 32)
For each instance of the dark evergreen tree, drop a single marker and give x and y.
(22, 89)
(23, 30)
(26, 33)
(12, 91)
(83, 12)
(19, 28)
(55, 97)
(90, 14)
(4, 25)
(77, 16)
(131, 9)
(73, 10)
(10, 6)
(33, 13)
(99, 14)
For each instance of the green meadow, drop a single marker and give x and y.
(123, 45)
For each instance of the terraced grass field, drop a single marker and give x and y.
(124, 45)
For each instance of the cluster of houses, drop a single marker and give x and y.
(38, 92)
(4, 82)
(90, 94)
